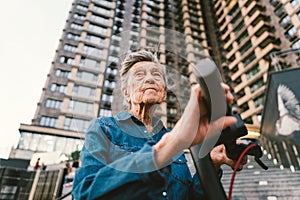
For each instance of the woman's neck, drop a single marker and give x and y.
(143, 112)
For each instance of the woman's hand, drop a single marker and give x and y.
(192, 127)
(219, 157)
(205, 127)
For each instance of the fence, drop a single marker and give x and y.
(19, 184)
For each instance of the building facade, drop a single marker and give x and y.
(82, 82)
(253, 32)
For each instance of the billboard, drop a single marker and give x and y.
(281, 115)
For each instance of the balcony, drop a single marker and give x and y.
(285, 24)
(291, 37)
(280, 12)
(274, 2)
(105, 104)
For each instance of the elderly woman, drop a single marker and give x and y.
(132, 155)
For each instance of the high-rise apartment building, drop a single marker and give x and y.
(238, 35)
(252, 32)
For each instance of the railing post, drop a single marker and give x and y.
(34, 184)
(58, 184)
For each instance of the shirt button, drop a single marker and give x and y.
(145, 131)
(164, 194)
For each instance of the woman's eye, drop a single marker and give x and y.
(139, 74)
(157, 74)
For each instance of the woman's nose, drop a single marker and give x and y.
(149, 78)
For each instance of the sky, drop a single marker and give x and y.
(29, 36)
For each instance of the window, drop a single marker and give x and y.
(83, 91)
(296, 45)
(284, 21)
(72, 36)
(97, 29)
(87, 76)
(101, 11)
(100, 20)
(81, 107)
(240, 94)
(76, 26)
(79, 17)
(227, 38)
(239, 27)
(48, 121)
(48, 143)
(172, 111)
(76, 124)
(90, 63)
(249, 59)
(292, 31)
(34, 144)
(92, 50)
(25, 140)
(257, 85)
(280, 10)
(58, 88)
(236, 18)
(242, 37)
(248, 120)
(104, 3)
(62, 73)
(114, 48)
(70, 48)
(244, 107)
(295, 3)
(152, 34)
(107, 98)
(111, 71)
(83, 8)
(170, 124)
(232, 58)
(153, 18)
(245, 47)
(94, 39)
(109, 84)
(233, 10)
(51, 103)
(235, 69)
(259, 101)
(153, 3)
(45, 142)
(105, 112)
(252, 72)
(67, 60)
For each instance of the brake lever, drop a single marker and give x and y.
(233, 151)
(229, 136)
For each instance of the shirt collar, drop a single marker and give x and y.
(125, 115)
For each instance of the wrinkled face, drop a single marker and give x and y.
(146, 83)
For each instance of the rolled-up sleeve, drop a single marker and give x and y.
(101, 177)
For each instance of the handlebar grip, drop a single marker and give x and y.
(209, 79)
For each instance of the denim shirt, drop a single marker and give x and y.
(118, 163)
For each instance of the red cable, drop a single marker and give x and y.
(236, 168)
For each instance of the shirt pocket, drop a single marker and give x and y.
(180, 170)
(121, 150)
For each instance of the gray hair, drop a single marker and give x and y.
(133, 58)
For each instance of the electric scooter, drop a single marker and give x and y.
(208, 77)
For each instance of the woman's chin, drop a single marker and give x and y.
(154, 100)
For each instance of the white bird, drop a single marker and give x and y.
(289, 111)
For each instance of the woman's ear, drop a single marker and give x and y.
(125, 92)
(126, 95)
